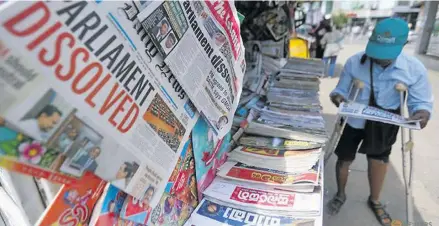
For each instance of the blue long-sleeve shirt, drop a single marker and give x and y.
(405, 69)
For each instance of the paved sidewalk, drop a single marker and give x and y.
(426, 166)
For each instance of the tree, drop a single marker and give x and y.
(340, 19)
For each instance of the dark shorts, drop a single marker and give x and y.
(350, 142)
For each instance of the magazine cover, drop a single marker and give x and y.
(138, 210)
(74, 203)
(214, 213)
(108, 212)
(183, 182)
(209, 152)
(170, 212)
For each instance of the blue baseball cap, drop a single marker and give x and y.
(388, 38)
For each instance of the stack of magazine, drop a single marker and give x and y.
(273, 176)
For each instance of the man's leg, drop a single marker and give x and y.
(342, 174)
(377, 169)
(332, 66)
(345, 151)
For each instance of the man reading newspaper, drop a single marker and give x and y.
(381, 67)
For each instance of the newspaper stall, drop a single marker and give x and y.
(274, 172)
(160, 113)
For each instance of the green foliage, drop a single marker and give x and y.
(340, 19)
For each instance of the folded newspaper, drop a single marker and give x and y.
(77, 75)
(314, 67)
(216, 213)
(357, 110)
(297, 162)
(268, 200)
(201, 44)
(277, 143)
(278, 179)
(282, 131)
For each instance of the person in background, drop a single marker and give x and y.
(332, 44)
(380, 67)
(318, 33)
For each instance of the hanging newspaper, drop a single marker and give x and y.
(201, 43)
(357, 110)
(264, 199)
(83, 79)
(216, 213)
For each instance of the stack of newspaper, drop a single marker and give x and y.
(274, 175)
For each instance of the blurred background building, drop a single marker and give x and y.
(357, 18)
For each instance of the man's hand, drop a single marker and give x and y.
(423, 115)
(337, 99)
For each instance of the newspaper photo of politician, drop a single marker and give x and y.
(125, 174)
(79, 153)
(161, 29)
(211, 28)
(45, 116)
(163, 121)
(163, 26)
(168, 43)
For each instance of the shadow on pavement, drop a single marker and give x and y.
(355, 211)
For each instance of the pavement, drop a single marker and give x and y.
(425, 184)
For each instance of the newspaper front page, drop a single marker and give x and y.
(83, 79)
(201, 43)
(216, 213)
(357, 110)
(264, 199)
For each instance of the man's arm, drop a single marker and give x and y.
(324, 39)
(420, 98)
(341, 91)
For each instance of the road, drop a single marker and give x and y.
(426, 163)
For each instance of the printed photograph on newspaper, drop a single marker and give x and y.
(23, 154)
(210, 153)
(215, 213)
(80, 88)
(74, 203)
(210, 71)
